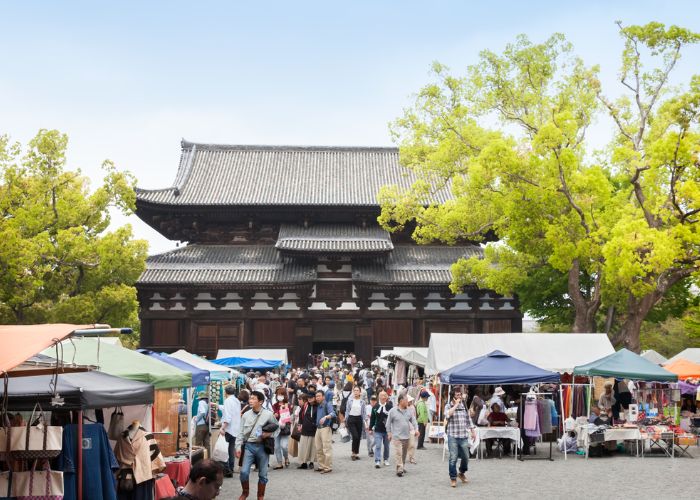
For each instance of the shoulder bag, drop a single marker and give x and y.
(245, 439)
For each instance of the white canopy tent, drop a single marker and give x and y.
(690, 354)
(654, 357)
(412, 355)
(218, 372)
(268, 354)
(551, 351)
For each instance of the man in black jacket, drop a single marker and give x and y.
(377, 425)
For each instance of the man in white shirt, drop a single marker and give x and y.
(230, 425)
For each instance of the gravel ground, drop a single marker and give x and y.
(620, 476)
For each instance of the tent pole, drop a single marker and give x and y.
(80, 455)
(563, 426)
(190, 397)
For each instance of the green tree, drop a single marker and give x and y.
(58, 261)
(508, 140)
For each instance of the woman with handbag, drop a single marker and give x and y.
(282, 411)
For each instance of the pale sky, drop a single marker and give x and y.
(128, 80)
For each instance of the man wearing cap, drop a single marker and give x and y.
(201, 433)
(422, 417)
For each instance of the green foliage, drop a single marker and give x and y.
(58, 262)
(508, 142)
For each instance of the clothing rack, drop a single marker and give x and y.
(565, 416)
(521, 412)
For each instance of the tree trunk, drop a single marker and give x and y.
(585, 310)
(637, 310)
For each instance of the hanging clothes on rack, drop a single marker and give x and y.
(99, 463)
(544, 416)
(138, 454)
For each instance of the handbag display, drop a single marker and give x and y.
(45, 484)
(32, 441)
(116, 424)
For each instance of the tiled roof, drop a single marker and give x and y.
(281, 175)
(224, 264)
(409, 264)
(334, 238)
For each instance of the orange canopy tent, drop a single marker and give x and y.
(684, 369)
(18, 343)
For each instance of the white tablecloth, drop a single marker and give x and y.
(623, 434)
(512, 433)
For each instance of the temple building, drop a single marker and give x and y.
(280, 247)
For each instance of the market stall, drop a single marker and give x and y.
(271, 354)
(249, 363)
(498, 368)
(690, 354)
(119, 361)
(626, 365)
(558, 352)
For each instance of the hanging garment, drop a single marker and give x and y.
(530, 417)
(99, 463)
(137, 450)
(545, 416)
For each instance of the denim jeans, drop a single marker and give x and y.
(459, 448)
(254, 453)
(231, 440)
(379, 439)
(281, 450)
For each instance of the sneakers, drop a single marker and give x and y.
(386, 462)
(302, 466)
(377, 465)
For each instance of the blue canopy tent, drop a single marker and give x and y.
(199, 376)
(495, 368)
(248, 363)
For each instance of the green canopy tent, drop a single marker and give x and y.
(122, 362)
(626, 364)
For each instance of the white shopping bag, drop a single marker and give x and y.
(220, 453)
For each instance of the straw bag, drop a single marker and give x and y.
(32, 441)
(34, 484)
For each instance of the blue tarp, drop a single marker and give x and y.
(496, 368)
(199, 376)
(248, 363)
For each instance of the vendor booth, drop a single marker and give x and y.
(258, 364)
(654, 357)
(498, 368)
(690, 354)
(558, 352)
(642, 422)
(684, 369)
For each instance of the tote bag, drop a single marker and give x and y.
(33, 441)
(38, 485)
(116, 424)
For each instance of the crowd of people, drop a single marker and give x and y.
(291, 420)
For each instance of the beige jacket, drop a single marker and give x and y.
(140, 453)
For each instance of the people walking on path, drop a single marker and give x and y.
(249, 443)
(377, 425)
(230, 424)
(423, 418)
(367, 430)
(283, 413)
(307, 419)
(324, 433)
(458, 429)
(354, 420)
(399, 426)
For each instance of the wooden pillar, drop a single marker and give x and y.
(303, 344)
(364, 342)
